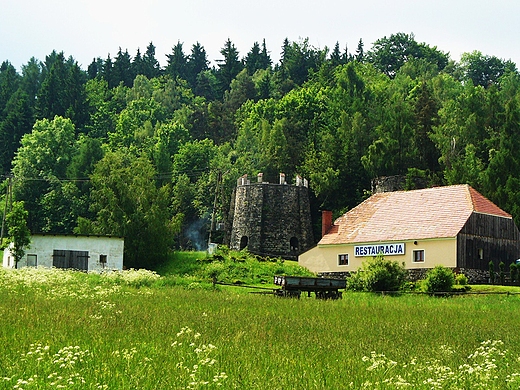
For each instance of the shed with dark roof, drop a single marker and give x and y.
(454, 226)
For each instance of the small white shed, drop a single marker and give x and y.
(86, 253)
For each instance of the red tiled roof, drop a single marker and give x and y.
(438, 212)
(485, 206)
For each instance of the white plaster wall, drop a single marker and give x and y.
(43, 247)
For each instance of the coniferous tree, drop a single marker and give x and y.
(31, 79)
(177, 65)
(122, 71)
(108, 72)
(18, 120)
(9, 82)
(151, 66)
(197, 63)
(51, 98)
(360, 52)
(95, 68)
(265, 59)
(252, 59)
(230, 66)
(257, 58)
(346, 56)
(335, 56)
(138, 64)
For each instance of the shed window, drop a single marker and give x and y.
(343, 259)
(103, 260)
(31, 260)
(481, 254)
(418, 256)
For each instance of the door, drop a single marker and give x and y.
(70, 259)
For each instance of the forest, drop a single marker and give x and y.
(129, 148)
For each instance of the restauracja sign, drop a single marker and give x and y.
(383, 249)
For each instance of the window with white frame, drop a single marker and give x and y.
(343, 259)
(418, 256)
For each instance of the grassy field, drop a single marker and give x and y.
(137, 330)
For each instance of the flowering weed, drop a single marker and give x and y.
(489, 367)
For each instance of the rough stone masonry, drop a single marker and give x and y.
(271, 219)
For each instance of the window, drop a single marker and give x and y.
(418, 256)
(31, 260)
(343, 259)
(243, 242)
(481, 254)
(103, 260)
(294, 244)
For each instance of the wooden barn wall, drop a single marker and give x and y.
(498, 237)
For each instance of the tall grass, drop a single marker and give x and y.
(79, 331)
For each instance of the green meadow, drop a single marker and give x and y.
(139, 330)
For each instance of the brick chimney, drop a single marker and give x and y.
(326, 221)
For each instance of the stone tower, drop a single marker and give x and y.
(271, 219)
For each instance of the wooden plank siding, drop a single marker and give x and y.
(70, 259)
(486, 238)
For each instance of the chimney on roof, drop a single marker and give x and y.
(260, 177)
(326, 221)
(282, 178)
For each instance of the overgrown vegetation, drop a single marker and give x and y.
(227, 266)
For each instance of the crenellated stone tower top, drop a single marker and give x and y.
(271, 219)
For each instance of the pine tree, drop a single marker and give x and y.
(230, 66)
(138, 64)
(360, 54)
(151, 65)
(177, 63)
(123, 69)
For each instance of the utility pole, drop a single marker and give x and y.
(7, 197)
(212, 227)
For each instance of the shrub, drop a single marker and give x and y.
(378, 274)
(513, 269)
(461, 280)
(355, 282)
(439, 279)
(501, 272)
(491, 272)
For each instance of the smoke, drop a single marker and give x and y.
(196, 234)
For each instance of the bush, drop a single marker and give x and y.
(461, 280)
(355, 282)
(378, 274)
(501, 272)
(491, 272)
(439, 279)
(513, 269)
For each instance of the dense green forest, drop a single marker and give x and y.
(127, 147)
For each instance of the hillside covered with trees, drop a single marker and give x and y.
(127, 147)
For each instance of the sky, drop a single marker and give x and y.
(85, 29)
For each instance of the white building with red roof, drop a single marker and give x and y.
(454, 226)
